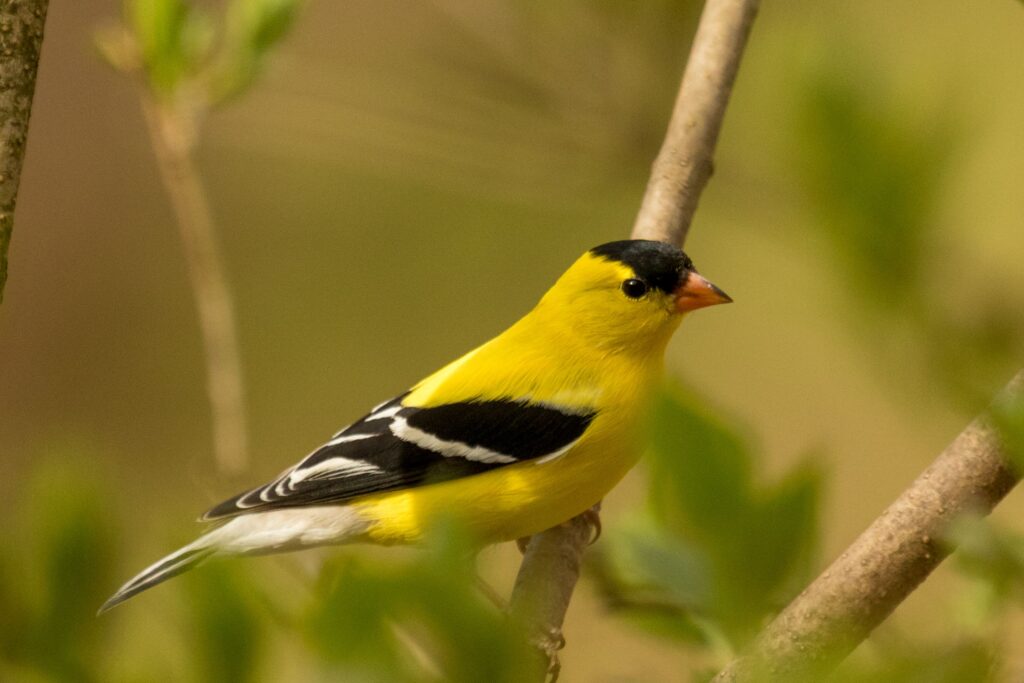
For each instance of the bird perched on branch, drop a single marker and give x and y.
(518, 435)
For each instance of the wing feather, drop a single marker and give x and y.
(398, 447)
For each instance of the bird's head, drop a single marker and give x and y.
(630, 294)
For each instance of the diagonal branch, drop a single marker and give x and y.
(550, 566)
(684, 164)
(21, 40)
(884, 565)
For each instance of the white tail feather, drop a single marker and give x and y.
(252, 534)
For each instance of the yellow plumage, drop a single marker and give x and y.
(576, 348)
(516, 436)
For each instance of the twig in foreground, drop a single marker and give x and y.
(884, 565)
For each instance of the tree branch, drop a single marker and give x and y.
(684, 164)
(884, 565)
(550, 566)
(21, 40)
(172, 132)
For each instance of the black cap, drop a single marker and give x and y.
(659, 264)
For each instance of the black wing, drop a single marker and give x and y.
(397, 447)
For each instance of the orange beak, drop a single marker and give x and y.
(696, 292)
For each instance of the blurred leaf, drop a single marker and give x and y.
(873, 168)
(874, 161)
(784, 529)
(718, 550)
(699, 468)
(116, 48)
(226, 627)
(261, 23)
(423, 619)
(992, 556)
(1008, 415)
(252, 29)
(53, 631)
(348, 625)
(14, 617)
(656, 580)
(649, 559)
(966, 662)
(174, 38)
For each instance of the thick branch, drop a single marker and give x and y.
(551, 563)
(21, 39)
(884, 565)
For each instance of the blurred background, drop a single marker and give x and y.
(403, 181)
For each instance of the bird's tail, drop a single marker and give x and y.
(177, 562)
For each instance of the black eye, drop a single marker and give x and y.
(634, 288)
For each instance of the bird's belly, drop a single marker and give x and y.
(504, 504)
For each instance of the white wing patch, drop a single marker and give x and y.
(345, 438)
(387, 412)
(400, 428)
(334, 467)
(399, 447)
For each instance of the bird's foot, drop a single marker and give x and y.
(548, 645)
(592, 517)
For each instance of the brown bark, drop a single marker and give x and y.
(21, 40)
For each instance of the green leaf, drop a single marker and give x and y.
(936, 662)
(1007, 414)
(648, 560)
(158, 26)
(989, 554)
(418, 619)
(260, 24)
(784, 531)
(720, 550)
(70, 558)
(348, 624)
(873, 170)
(252, 29)
(699, 468)
(226, 627)
(173, 38)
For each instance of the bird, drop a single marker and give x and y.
(519, 435)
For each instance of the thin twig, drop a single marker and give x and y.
(550, 566)
(685, 162)
(21, 40)
(884, 565)
(172, 135)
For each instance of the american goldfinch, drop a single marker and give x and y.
(516, 436)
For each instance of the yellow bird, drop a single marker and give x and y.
(518, 435)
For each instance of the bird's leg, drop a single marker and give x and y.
(521, 543)
(593, 518)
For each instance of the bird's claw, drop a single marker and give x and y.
(548, 644)
(593, 518)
